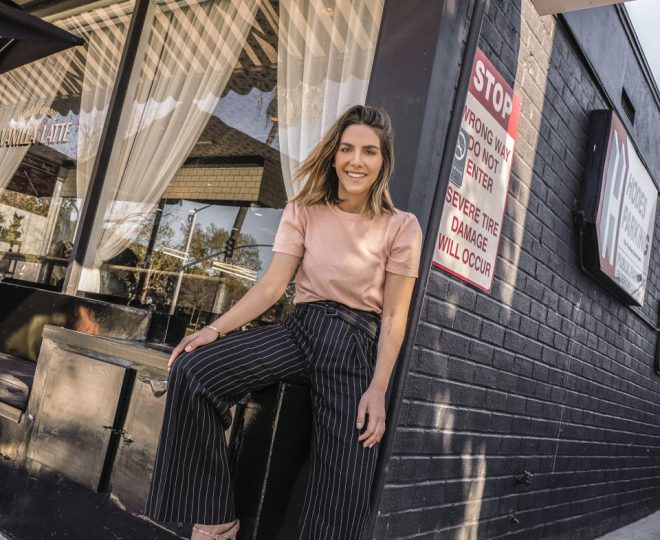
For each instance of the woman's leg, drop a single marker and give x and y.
(191, 481)
(337, 498)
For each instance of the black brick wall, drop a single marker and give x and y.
(550, 373)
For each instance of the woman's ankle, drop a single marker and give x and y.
(206, 532)
(219, 528)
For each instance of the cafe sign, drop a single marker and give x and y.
(36, 125)
(35, 176)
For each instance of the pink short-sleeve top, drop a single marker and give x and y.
(345, 256)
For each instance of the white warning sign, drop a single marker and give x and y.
(471, 222)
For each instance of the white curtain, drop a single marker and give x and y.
(325, 54)
(190, 56)
(104, 30)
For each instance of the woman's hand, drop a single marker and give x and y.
(373, 405)
(203, 337)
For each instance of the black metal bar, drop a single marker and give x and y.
(418, 99)
(117, 429)
(108, 136)
(403, 364)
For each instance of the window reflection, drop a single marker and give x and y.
(230, 97)
(51, 116)
(213, 271)
(221, 189)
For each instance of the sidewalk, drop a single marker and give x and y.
(46, 506)
(647, 528)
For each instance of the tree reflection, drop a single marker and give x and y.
(207, 287)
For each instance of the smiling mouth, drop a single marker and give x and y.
(355, 174)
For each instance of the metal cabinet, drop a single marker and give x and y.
(89, 394)
(74, 413)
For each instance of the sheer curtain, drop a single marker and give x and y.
(104, 29)
(325, 56)
(190, 56)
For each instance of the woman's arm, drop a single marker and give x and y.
(396, 302)
(258, 299)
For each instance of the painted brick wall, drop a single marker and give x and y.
(213, 183)
(549, 374)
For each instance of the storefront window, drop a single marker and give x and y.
(231, 96)
(51, 115)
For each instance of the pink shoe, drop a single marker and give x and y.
(227, 535)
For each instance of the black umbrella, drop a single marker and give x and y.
(25, 38)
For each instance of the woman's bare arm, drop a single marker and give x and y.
(258, 299)
(396, 302)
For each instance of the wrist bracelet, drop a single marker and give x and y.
(213, 328)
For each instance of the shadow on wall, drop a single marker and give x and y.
(530, 412)
(561, 348)
(473, 462)
(503, 52)
(578, 364)
(536, 253)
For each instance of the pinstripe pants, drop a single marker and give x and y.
(191, 481)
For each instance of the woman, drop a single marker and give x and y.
(358, 259)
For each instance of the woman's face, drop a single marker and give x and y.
(358, 162)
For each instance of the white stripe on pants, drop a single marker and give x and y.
(191, 481)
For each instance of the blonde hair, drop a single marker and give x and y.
(321, 185)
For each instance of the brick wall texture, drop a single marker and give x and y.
(246, 184)
(550, 374)
(216, 183)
